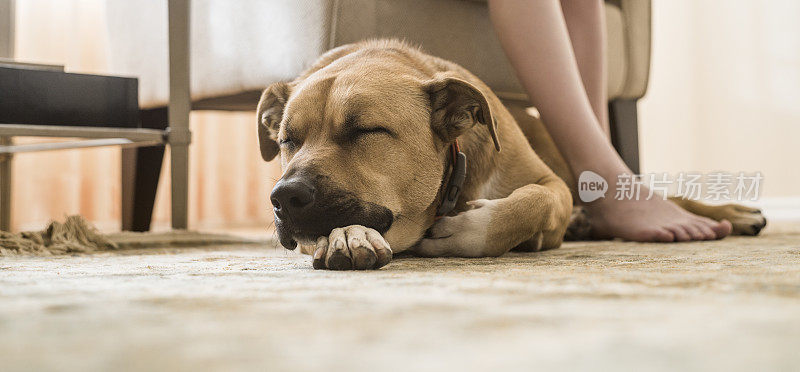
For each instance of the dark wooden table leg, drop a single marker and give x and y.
(141, 169)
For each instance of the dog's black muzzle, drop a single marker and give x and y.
(307, 207)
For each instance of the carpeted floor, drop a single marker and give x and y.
(726, 305)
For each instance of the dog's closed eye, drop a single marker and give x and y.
(375, 130)
(353, 134)
(353, 129)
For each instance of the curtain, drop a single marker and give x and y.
(229, 184)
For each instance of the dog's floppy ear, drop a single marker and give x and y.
(456, 106)
(270, 114)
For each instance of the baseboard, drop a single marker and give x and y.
(784, 208)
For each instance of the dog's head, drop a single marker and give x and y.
(363, 145)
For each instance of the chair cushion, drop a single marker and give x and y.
(240, 47)
(460, 31)
(236, 46)
(617, 61)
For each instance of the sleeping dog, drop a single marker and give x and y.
(386, 149)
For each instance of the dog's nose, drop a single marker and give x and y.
(291, 197)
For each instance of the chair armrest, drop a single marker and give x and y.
(7, 28)
(636, 16)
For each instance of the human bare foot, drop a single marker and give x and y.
(653, 220)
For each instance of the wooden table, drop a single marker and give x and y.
(45, 101)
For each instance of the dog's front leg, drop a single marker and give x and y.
(353, 247)
(533, 217)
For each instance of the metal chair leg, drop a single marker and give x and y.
(180, 185)
(179, 108)
(5, 186)
(625, 131)
(7, 30)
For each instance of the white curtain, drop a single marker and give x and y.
(229, 183)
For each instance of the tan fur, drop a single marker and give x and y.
(511, 198)
(745, 220)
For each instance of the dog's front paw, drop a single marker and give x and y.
(462, 235)
(353, 247)
(745, 220)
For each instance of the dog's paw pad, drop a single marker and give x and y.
(339, 261)
(747, 222)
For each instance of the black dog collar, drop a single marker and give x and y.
(451, 190)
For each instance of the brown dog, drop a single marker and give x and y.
(367, 139)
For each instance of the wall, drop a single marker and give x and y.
(725, 91)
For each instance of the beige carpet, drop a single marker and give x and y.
(727, 305)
